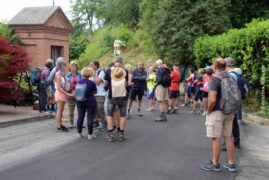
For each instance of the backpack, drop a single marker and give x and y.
(243, 85)
(231, 101)
(66, 84)
(36, 75)
(119, 87)
(166, 78)
(80, 92)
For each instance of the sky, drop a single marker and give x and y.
(9, 8)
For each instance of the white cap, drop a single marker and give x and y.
(159, 62)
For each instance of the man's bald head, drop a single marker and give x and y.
(220, 64)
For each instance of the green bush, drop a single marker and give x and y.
(249, 47)
(102, 42)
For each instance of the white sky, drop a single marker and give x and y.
(9, 8)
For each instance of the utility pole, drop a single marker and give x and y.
(52, 2)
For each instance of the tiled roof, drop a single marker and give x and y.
(33, 15)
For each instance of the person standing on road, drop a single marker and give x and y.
(89, 105)
(198, 92)
(74, 76)
(206, 79)
(218, 124)
(151, 80)
(100, 95)
(138, 88)
(161, 91)
(116, 81)
(230, 66)
(174, 90)
(189, 92)
(60, 94)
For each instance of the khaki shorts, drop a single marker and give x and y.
(219, 124)
(161, 93)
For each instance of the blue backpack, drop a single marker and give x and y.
(80, 92)
(36, 75)
(243, 85)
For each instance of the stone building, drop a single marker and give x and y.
(44, 32)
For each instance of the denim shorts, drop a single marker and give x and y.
(121, 102)
(189, 90)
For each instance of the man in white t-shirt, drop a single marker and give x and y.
(100, 96)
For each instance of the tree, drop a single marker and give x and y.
(13, 61)
(176, 24)
(78, 44)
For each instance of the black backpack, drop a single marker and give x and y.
(166, 78)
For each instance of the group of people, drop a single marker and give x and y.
(111, 93)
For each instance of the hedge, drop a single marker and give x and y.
(249, 47)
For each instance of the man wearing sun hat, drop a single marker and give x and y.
(115, 80)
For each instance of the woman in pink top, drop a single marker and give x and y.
(189, 91)
(60, 95)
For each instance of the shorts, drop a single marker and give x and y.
(161, 93)
(135, 93)
(219, 124)
(121, 102)
(72, 101)
(205, 94)
(190, 90)
(198, 96)
(173, 94)
(150, 94)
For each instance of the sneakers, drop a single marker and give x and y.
(210, 167)
(71, 124)
(139, 114)
(169, 111)
(91, 136)
(161, 118)
(204, 114)
(62, 128)
(102, 126)
(184, 104)
(150, 109)
(174, 111)
(95, 125)
(79, 135)
(230, 167)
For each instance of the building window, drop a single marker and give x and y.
(56, 51)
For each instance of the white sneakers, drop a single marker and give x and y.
(90, 136)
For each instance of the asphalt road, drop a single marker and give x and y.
(153, 151)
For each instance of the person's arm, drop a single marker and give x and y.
(98, 79)
(212, 100)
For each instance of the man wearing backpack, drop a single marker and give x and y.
(230, 66)
(116, 81)
(221, 111)
(100, 96)
(163, 81)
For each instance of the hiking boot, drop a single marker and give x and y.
(169, 111)
(110, 136)
(210, 167)
(120, 136)
(230, 167)
(175, 111)
(62, 128)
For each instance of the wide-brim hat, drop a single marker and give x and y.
(118, 73)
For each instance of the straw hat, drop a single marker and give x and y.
(118, 73)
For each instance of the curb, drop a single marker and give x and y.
(25, 120)
(257, 120)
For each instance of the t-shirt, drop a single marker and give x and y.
(151, 82)
(199, 84)
(215, 85)
(175, 78)
(206, 79)
(190, 82)
(107, 78)
(91, 89)
(100, 87)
